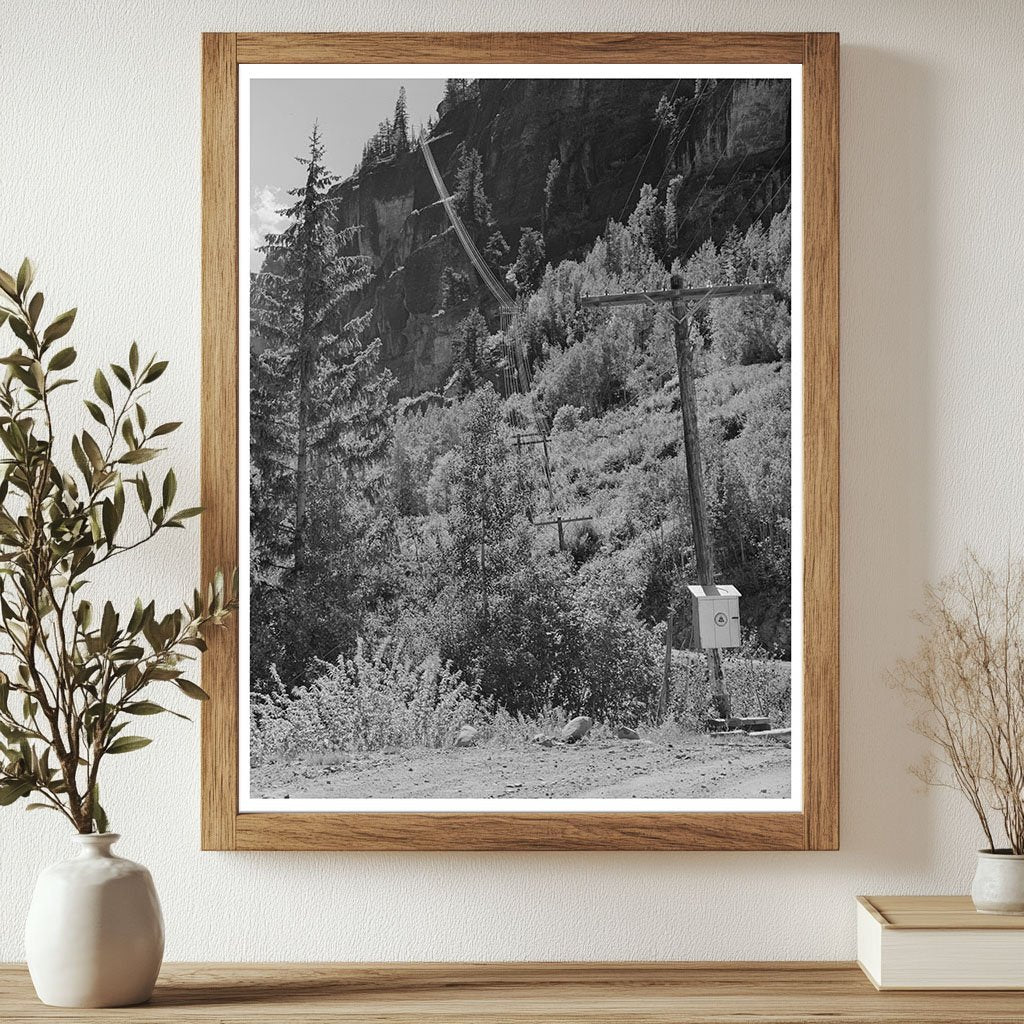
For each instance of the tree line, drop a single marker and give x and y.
(417, 531)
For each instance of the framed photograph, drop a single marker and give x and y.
(520, 420)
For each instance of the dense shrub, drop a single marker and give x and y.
(758, 684)
(366, 702)
(532, 642)
(457, 560)
(592, 373)
(567, 417)
(615, 674)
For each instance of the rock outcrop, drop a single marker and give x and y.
(563, 156)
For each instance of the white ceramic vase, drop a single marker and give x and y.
(999, 883)
(95, 934)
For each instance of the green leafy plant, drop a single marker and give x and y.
(80, 674)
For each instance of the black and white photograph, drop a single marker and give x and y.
(520, 375)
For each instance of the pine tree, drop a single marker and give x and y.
(496, 248)
(400, 124)
(319, 409)
(455, 90)
(673, 210)
(293, 297)
(468, 354)
(474, 207)
(666, 116)
(321, 425)
(526, 274)
(550, 186)
(489, 517)
(471, 201)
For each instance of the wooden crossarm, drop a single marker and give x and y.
(559, 519)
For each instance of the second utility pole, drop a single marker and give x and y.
(678, 296)
(695, 480)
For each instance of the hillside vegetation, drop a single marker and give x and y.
(418, 585)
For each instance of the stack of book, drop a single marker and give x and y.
(938, 942)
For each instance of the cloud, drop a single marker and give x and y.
(264, 218)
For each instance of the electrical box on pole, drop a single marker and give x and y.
(716, 616)
(721, 622)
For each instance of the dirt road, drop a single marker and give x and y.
(697, 767)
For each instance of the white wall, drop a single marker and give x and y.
(99, 181)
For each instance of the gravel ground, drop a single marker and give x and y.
(694, 767)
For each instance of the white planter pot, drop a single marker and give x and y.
(999, 883)
(95, 934)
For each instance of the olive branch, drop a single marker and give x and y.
(80, 674)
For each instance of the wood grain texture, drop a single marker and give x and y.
(818, 826)
(942, 913)
(219, 440)
(528, 832)
(821, 441)
(520, 48)
(617, 993)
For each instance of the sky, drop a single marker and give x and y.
(348, 110)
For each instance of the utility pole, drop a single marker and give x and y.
(695, 480)
(666, 678)
(528, 440)
(678, 296)
(560, 522)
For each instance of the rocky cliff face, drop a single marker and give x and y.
(563, 156)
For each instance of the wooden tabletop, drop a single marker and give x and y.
(936, 913)
(658, 993)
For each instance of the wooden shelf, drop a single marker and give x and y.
(651, 993)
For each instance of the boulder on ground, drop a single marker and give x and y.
(576, 729)
(625, 733)
(467, 736)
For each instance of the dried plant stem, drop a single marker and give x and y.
(967, 679)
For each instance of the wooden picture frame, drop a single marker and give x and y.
(816, 826)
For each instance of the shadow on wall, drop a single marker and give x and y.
(887, 298)
(738, 905)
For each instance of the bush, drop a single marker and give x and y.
(366, 703)
(530, 643)
(615, 675)
(758, 683)
(690, 697)
(567, 418)
(591, 374)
